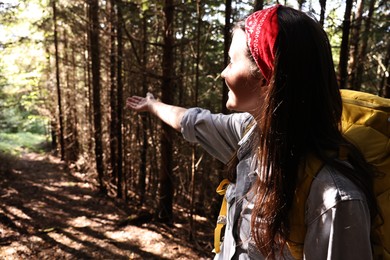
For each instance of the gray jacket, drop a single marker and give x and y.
(337, 215)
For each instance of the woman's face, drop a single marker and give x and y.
(245, 89)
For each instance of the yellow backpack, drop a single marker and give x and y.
(366, 124)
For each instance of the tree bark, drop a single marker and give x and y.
(70, 125)
(227, 39)
(73, 144)
(384, 84)
(95, 60)
(166, 174)
(113, 94)
(343, 64)
(259, 5)
(195, 104)
(363, 47)
(88, 82)
(144, 148)
(300, 4)
(355, 40)
(322, 14)
(119, 114)
(387, 87)
(58, 83)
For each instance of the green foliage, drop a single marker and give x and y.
(21, 68)
(16, 143)
(333, 29)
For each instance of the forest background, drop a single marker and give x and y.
(67, 66)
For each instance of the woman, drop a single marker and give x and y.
(282, 74)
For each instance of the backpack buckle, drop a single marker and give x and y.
(221, 220)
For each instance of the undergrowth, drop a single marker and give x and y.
(18, 143)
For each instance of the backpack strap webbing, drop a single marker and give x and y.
(221, 221)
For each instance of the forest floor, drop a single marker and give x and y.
(49, 212)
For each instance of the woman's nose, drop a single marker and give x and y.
(223, 73)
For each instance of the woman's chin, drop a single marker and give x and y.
(235, 108)
(230, 105)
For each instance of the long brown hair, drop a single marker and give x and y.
(301, 116)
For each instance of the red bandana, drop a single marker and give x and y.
(261, 29)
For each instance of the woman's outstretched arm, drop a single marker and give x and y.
(171, 115)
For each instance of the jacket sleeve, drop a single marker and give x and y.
(338, 220)
(218, 134)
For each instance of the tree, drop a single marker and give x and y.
(58, 83)
(259, 5)
(166, 174)
(144, 117)
(343, 63)
(199, 9)
(113, 92)
(384, 85)
(301, 3)
(363, 48)
(95, 59)
(119, 110)
(322, 14)
(226, 37)
(354, 43)
(70, 122)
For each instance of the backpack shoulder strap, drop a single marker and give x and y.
(221, 221)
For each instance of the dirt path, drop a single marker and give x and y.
(48, 213)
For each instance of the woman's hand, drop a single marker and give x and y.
(171, 115)
(140, 104)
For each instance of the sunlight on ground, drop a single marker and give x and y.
(17, 212)
(83, 221)
(48, 214)
(148, 241)
(112, 217)
(65, 240)
(50, 188)
(9, 192)
(74, 184)
(13, 250)
(125, 234)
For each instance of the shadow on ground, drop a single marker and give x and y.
(48, 213)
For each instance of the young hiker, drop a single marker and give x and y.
(281, 77)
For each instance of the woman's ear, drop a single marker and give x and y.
(264, 82)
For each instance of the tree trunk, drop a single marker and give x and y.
(74, 149)
(166, 174)
(88, 83)
(322, 14)
(60, 113)
(226, 37)
(66, 100)
(384, 84)
(355, 39)
(69, 105)
(387, 88)
(119, 114)
(113, 94)
(363, 47)
(195, 104)
(300, 4)
(95, 58)
(259, 5)
(144, 148)
(343, 64)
